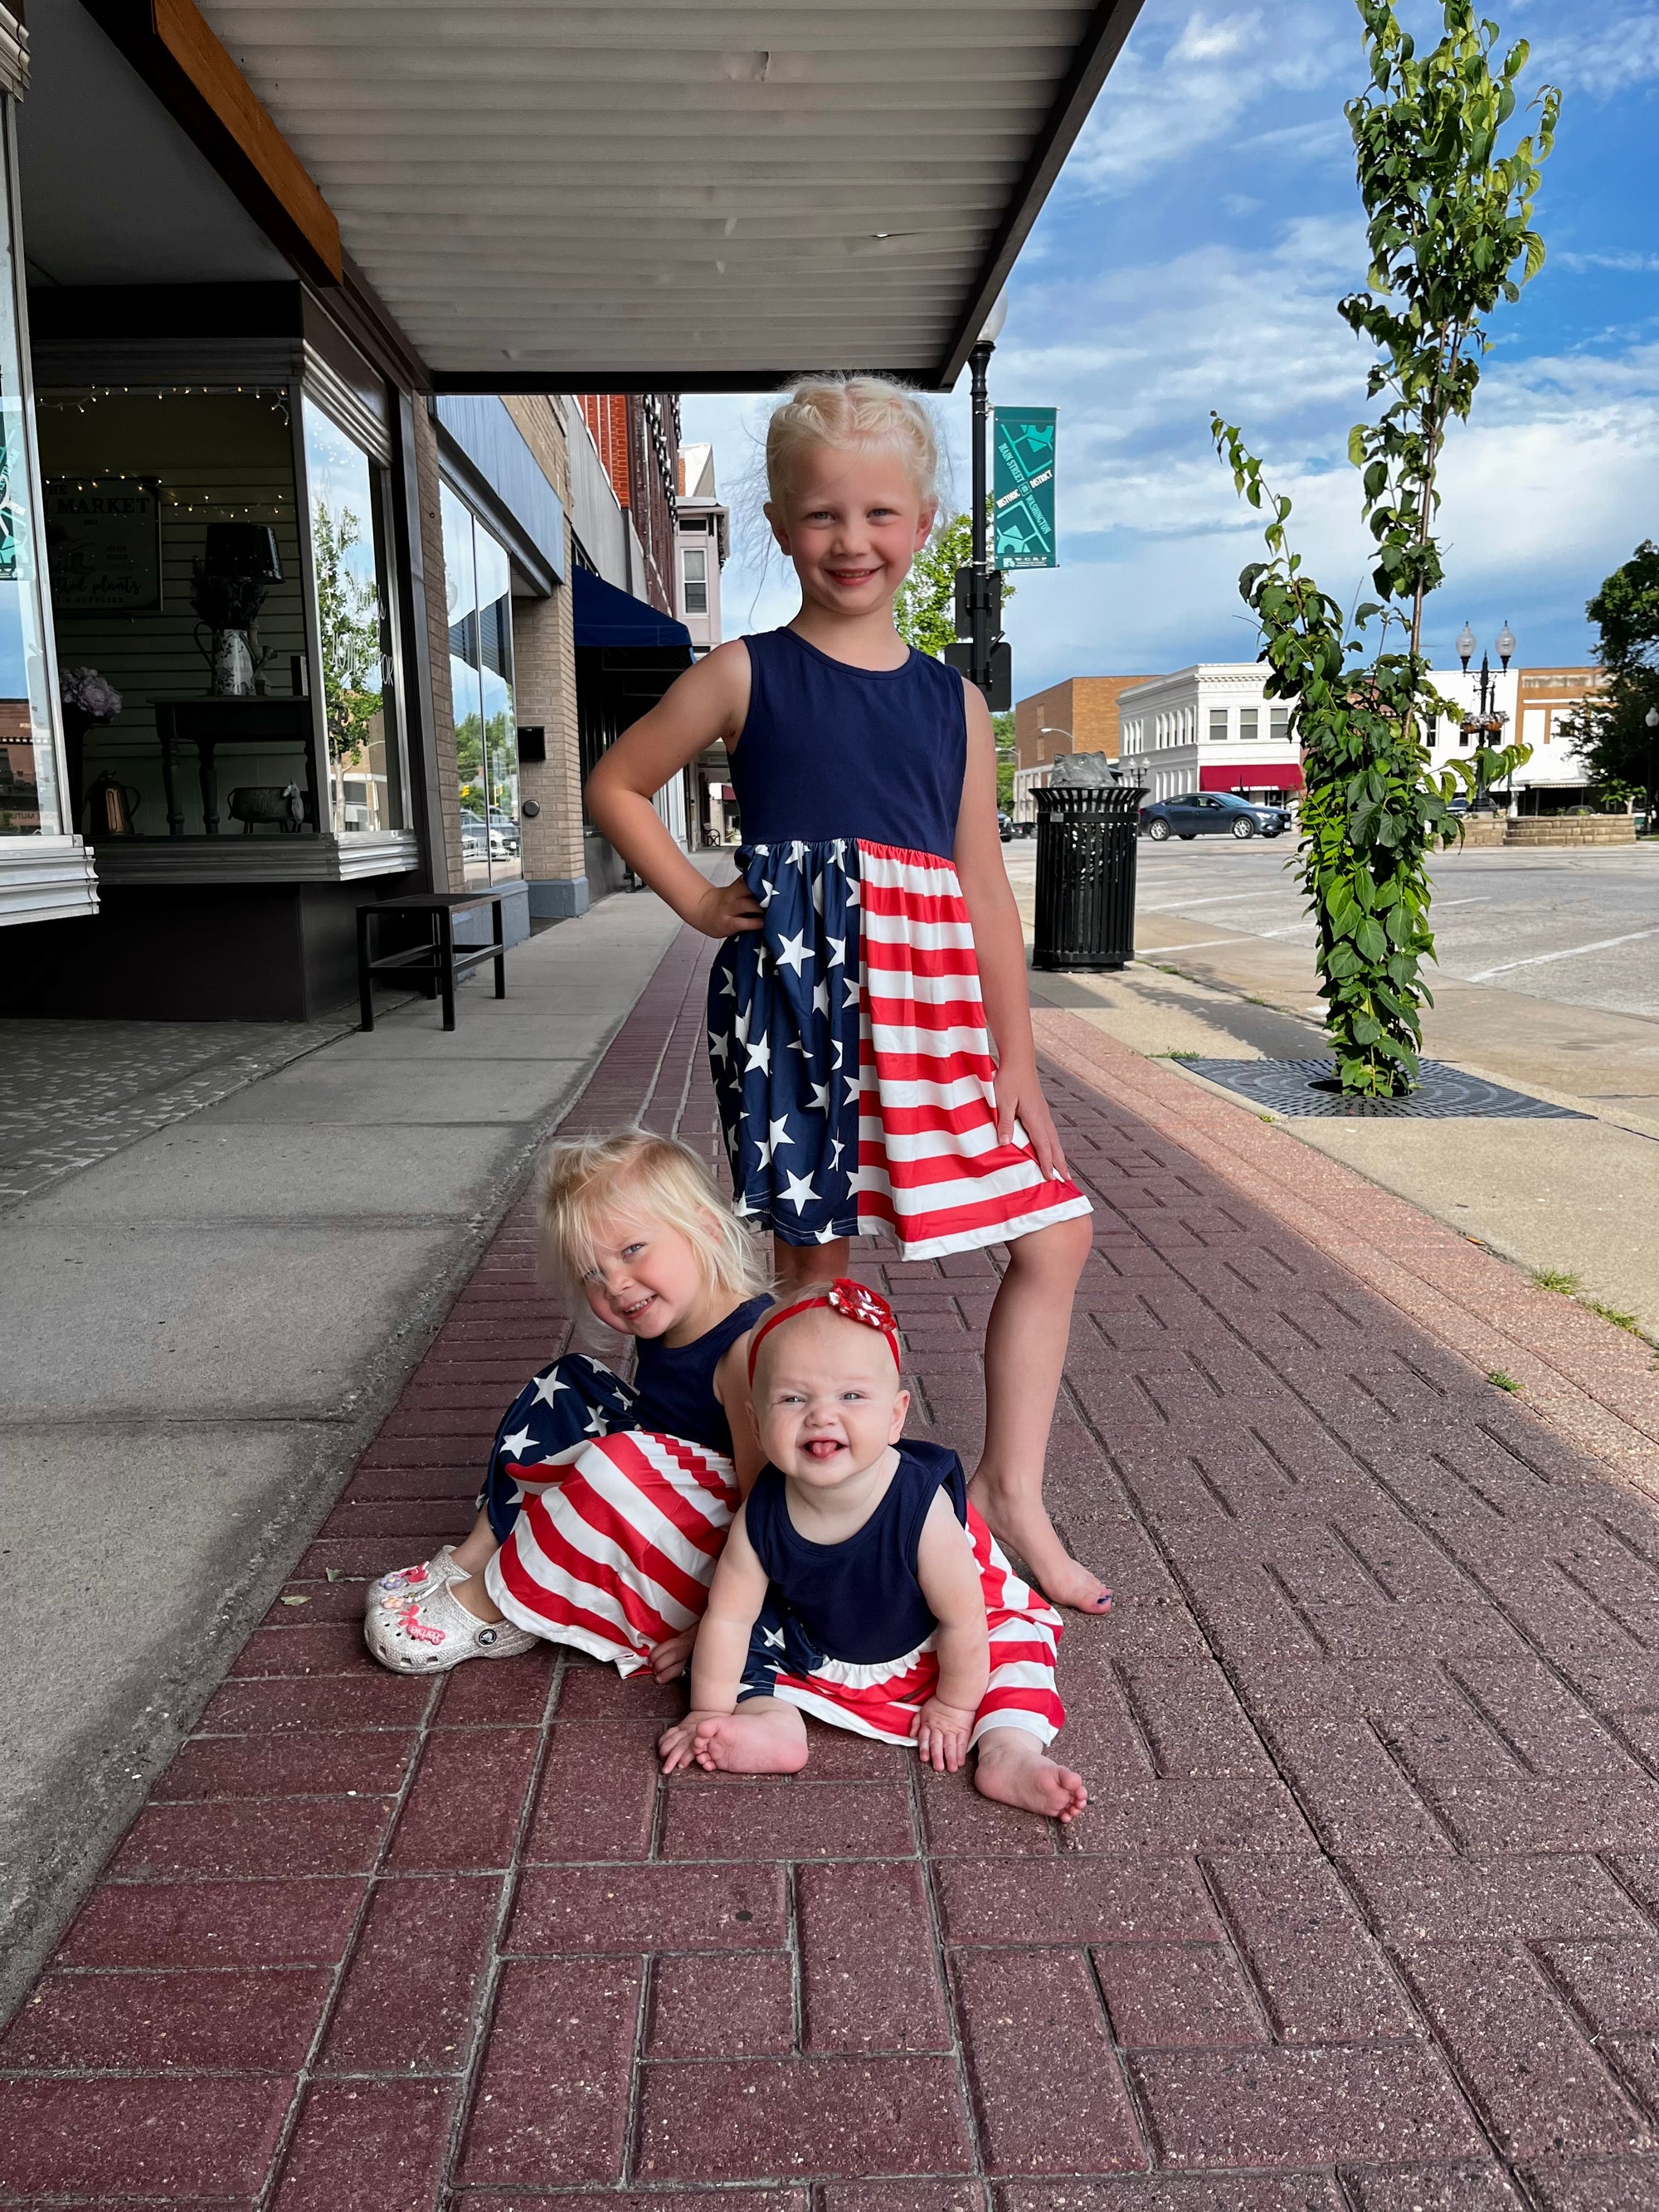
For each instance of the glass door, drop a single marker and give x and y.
(478, 586)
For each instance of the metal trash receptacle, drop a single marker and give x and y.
(1086, 874)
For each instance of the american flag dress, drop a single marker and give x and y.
(824, 1602)
(852, 1068)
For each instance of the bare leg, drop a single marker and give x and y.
(472, 1556)
(798, 1266)
(1024, 1353)
(1012, 1767)
(764, 1736)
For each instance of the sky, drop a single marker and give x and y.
(1191, 256)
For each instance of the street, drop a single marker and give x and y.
(1582, 930)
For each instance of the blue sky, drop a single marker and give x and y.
(1191, 256)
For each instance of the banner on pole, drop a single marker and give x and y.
(1022, 487)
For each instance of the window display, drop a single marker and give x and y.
(355, 630)
(479, 586)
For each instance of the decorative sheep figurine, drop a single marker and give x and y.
(267, 802)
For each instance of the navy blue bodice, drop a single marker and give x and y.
(860, 1600)
(832, 751)
(676, 1381)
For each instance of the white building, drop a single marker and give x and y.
(703, 539)
(1211, 727)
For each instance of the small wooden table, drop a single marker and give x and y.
(438, 962)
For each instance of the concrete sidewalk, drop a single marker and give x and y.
(1364, 1916)
(204, 1327)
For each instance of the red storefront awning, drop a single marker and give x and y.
(1250, 775)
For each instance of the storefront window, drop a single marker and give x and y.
(479, 586)
(29, 803)
(353, 628)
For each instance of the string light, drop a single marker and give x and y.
(80, 402)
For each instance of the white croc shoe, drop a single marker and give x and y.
(416, 1625)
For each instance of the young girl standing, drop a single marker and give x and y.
(869, 1026)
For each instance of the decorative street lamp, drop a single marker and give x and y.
(982, 613)
(1485, 724)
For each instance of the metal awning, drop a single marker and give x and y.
(609, 618)
(689, 194)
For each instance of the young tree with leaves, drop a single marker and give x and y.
(1449, 228)
(1610, 733)
(348, 631)
(924, 610)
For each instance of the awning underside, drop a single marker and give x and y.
(719, 193)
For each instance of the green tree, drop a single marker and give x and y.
(1609, 733)
(1002, 726)
(924, 610)
(1449, 229)
(349, 627)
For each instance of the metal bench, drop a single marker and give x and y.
(439, 962)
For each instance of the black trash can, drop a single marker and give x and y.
(1086, 874)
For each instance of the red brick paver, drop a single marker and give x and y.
(1365, 1914)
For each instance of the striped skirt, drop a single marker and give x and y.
(852, 1064)
(884, 1700)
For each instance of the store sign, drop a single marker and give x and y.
(1022, 487)
(104, 545)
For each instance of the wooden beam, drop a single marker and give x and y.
(171, 46)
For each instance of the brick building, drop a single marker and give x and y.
(1078, 716)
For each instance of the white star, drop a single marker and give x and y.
(762, 849)
(740, 1022)
(793, 952)
(596, 1424)
(821, 998)
(852, 998)
(827, 1235)
(728, 985)
(836, 1062)
(516, 1447)
(852, 1083)
(773, 1638)
(781, 1132)
(838, 850)
(837, 951)
(547, 1385)
(718, 1045)
(760, 1056)
(836, 1149)
(741, 1207)
(597, 1365)
(820, 1100)
(797, 853)
(762, 1154)
(852, 891)
(798, 1191)
(768, 893)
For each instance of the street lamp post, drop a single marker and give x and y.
(980, 610)
(1650, 723)
(1486, 724)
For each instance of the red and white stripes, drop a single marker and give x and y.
(931, 1167)
(619, 1554)
(883, 1701)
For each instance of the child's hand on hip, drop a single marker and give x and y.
(728, 909)
(942, 1733)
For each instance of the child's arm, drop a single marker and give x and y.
(735, 1598)
(1000, 943)
(949, 1575)
(732, 1389)
(707, 706)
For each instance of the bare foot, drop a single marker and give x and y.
(1020, 1524)
(1013, 1769)
(762, 1737)
(668, 1658)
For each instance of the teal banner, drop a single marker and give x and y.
(1022, 487)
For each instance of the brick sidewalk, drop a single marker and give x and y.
(1363, 1915)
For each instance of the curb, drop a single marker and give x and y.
(1596, 1386)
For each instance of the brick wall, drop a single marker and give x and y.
(545, 675)
(1087, 706)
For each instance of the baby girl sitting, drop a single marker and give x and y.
(858, 1584)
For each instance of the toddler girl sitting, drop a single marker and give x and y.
(606, 1504)
(858, 1584)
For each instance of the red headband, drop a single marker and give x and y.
(853, 1301)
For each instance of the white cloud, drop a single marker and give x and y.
(1600, 58)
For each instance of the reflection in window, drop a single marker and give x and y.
(28, 779)
(347, 558)
(478, 584)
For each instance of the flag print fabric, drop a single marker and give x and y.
(852, 1064)
(610, 1532)
(884, 1700)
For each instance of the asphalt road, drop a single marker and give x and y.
(1578, 930)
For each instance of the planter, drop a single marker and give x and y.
(1572, 830)
(1481, 832)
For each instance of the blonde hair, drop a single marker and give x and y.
(661, 1179)
(851, 411)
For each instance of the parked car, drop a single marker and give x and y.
(1211, 814)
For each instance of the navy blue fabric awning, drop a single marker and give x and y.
(609, 617)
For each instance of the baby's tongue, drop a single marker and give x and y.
(824, 1447)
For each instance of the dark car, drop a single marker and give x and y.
(1211, 814)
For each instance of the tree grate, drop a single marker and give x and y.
(1443, 1094)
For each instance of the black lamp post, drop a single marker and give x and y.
(981, 613)
(1650, 723)
(1486, 725)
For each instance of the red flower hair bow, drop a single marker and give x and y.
(854, 1301)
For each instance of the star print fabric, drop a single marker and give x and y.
(852, 1067)
(783, 1042)
(568, 1403)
